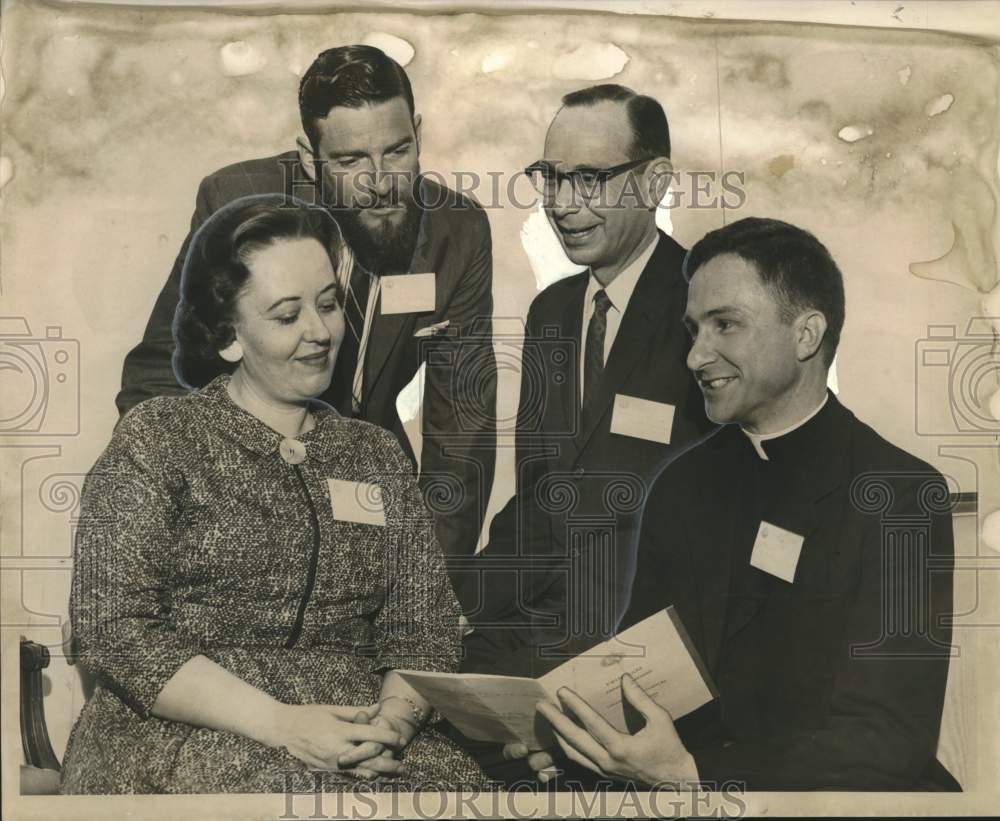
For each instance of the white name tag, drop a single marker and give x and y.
(359, 502)
(776, 551)
(408, 293)
(642, 419)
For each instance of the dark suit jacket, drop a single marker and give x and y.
(459, 417)
(835, 681)
(580, 487)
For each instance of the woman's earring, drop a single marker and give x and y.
(233, 352)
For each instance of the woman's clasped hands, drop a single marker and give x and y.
(393, 715)
(355, 738)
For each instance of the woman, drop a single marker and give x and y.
(251, 567)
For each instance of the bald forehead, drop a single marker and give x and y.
(594, 135)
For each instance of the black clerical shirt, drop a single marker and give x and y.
(835, 679)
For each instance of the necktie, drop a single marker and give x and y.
(355, 307)
(593, 363)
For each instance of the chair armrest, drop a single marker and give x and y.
(36, 781)
(38, 750)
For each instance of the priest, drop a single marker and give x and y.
(809, 558)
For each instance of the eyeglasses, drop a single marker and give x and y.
(587, 182)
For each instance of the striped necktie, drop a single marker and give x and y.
(593, 363)
(345, 389)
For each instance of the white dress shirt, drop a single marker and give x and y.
(619, 293)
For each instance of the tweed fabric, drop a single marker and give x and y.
(196, 537)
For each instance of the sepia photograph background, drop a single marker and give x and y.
(882, 140)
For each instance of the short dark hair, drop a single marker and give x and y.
(790, 261)
(349, 76)
(215, 272)
(650, 131)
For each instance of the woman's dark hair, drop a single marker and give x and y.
(215, 271)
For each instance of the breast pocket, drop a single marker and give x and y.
(828, 569)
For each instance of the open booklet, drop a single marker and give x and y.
(656, 652)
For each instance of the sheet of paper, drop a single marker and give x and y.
(642, 418)
(487, 708)
(657, 653)
(408, 293)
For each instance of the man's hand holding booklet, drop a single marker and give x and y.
(656, 653)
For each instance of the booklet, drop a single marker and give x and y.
(656, 652)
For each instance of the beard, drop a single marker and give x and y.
(382, 245)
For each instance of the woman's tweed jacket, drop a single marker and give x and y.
(197, 536)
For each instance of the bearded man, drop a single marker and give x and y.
(419, 289)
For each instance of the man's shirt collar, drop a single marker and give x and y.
(621, 287)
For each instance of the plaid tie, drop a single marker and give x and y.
(593, 363)
(356, 303)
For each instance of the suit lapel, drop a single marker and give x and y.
(387, 329)
(571, 324)
(713, 531)
(644, 315)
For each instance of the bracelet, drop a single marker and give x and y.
(419, 714)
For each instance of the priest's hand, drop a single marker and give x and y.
(540, 761)
(653, 755)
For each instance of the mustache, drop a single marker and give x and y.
(358, 205)
(366, 200)
(388, 201)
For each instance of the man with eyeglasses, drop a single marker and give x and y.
(361, 158)
(605, 395)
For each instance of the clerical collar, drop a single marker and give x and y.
(757, 438)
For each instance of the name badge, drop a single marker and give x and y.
(642, 419)
(776, 551)
(408, 293)
(359, 502)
